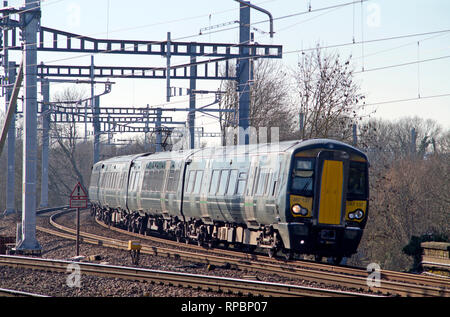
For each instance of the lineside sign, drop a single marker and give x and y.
(78, 197)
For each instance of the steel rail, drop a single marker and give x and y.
(356, 282)
(193, 257)
(211, 283)
(386, 275)
(14, 293)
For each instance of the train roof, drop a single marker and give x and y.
(285, 147)
(259, 148)
(330, 144)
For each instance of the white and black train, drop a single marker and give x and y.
(307, 197)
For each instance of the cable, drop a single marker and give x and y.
(418, 70)
(30, 9)
(402, 64)
(303, 50)
(403, 45)
(375, 40)
(406, 99)
(368, 41)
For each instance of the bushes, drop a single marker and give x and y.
(410, 196)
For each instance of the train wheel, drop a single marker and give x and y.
(288, 254)
(336, 260)
(271, 252)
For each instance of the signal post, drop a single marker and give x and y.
(78, 200)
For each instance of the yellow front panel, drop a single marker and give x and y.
(331, 192)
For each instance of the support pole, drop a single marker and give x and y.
(243, 74)
(11, 146)
(168, 68)
(413, 141)
(10, 111)
(158, 130)
(355, 135)
(10, 72)
(45, 91)
(96, 124)
(78, 232)
(301, 120)
(31, 18)
(92, 97)
(192, 88)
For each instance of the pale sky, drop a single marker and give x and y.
(371, 22)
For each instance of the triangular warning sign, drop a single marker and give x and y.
(78, 192)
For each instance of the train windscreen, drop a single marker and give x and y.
(357, 180)
(303, 176)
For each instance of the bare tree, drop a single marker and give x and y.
(390, 140)
(411, 198)
(70, 158)
(329, 99)
(409, 188)
(269, 100)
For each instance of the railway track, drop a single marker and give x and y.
(386, 275)
(409, 285)
(206, 282)
(14, 293)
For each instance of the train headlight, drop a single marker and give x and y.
(296, 209)
(359, 214)
(299, 210)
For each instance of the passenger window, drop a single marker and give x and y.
(274, 188)
(267, 185)
(170, 181)
(124, 175)
(175, 180)
(262, 182)
(153, 181)
(241, 186)
(159, 181)
(223, 182)
(146, 182)
(242, 182)
(198, 182)
(232, 182)
(136, 180)
(132, 181)
(214, 181)
(115, 180)
(190, 183)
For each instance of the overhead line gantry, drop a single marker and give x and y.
(43, 39)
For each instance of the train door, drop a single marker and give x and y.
(94, 183)
(331, 185)
(133, 181)
(123, 185)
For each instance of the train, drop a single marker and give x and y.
(300, 197)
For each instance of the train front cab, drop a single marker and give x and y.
(327, 201)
